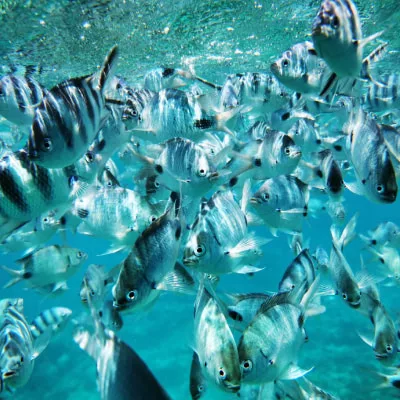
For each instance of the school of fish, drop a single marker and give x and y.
(175, 175)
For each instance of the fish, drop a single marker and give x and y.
(269, 346)
(116, 214)
(151, 265)
(219, 241)
(385, 234)
(301, 70)
(53, 319)
(183, 166)
(306, 135)
(198, 383)
(18, 347)
(173, 113)
(385, 341)
(69, 117)
(370, 158)
(121, 373)
(48, 265)
(95, 281)
(282, 203)
(214, 343)
(133, 106)
(28, 190)
(275, 154)
(19, 97)
(30, 235)
(110, 317)
(301, 389)
(337, 38)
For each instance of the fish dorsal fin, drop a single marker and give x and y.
(178, 280)
(275, 300)
(108, 66)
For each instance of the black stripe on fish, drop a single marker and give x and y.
(36, 92)
(43, 181)
(18, 95)
(203, 123)
(167, 72)
(12, 191)
(110, 60)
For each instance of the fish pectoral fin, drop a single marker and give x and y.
(365, 279)
(315, 309)
(364, 41)
(178, 280)
(247, 269)
(294, 372)
(254, 220)
(113, 249)
(326, 290)
(247, 244)
(366, 338)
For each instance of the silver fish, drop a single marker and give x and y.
(269, 346)
(110, 317)
(19, 98)
(214, 344)
(69, 118)
(198, 383)
(219, 241)
(47, 265)
(163, 78)
(371, 159)
(385, 234)
(149, 267)
(282, 203)
(54, 320)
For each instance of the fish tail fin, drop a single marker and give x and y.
(17, 276)
(87, 342)
(108, 66)
(347, 235)
(224, 117)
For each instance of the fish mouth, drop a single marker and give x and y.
(255, 200)
(354, 304)
(296, 154)
(189, 261)
(380, 356)
(231, 387)
(389, 198)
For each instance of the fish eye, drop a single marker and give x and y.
(222, 373)
(200, 388)
(293, 286)
(282, 94)
(47, 144)
(200, 251)
(271, 362)
(156, 184)
(109, 183)
(22, 360)
(152, 218)
(130, 296)
(247, 365)
(89, 157)
(79, 254)
(45, 220)
(344, 295)
(379, 188)
(202, 172)
(287, 150)
(92, 293)
(265, 196)
(389, 348)
(285, 62)
(335, 21)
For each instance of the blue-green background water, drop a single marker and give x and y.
(70, 38)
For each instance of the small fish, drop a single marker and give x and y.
(282, 203)
(337, 37)
(198, 383)
(150, 266)
(54, 319)
(305, 134)
(385, 341)
(69, 117)
(183, 166)
(121, 373)
(214, 344)
(383, 96)
(30, 235)
(18, 347)
(370, 157)
(19, 97)
(95, 281)
(219, 241)
(134, 104)
(385, 234)
(269, 346)
(110, 317)
(47, 265)
(300, 69)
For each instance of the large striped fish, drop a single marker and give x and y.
(19, 98)
(69, 118)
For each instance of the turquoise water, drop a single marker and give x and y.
(70, 38)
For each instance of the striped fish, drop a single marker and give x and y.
(69, 118)
(16, 346)
(337, 38)
(19, 98)
(53, 319)
(384, 97)
(27, 190)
